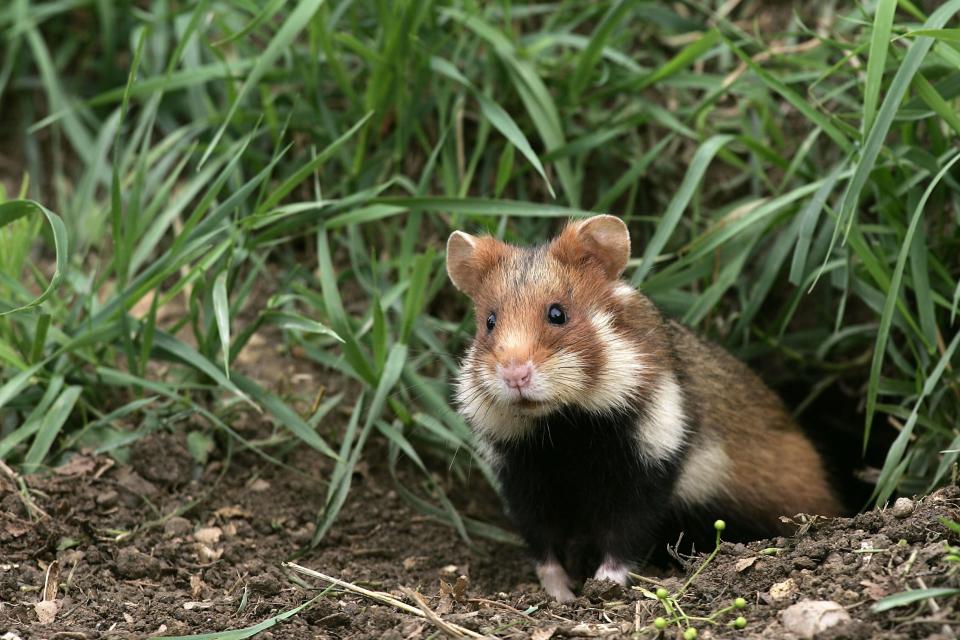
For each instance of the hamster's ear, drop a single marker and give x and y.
(603, 239)
(469, 258)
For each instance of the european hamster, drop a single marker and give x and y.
(611, 428)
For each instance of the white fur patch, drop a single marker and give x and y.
(612, 570)
(561, 379)
(555, 580)
(622, 373)
(623, 290)
(479, 402)
(662, 431)
(704, 475)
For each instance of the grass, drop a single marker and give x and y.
(296, 167)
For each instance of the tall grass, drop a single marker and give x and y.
(788, 178)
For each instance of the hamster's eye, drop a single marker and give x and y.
(556, 315)
(491, 321)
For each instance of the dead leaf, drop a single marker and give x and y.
(46, 611)
(743, 564)
(459, 591)
(52, 582)
(409, 563)
(196, 586)
(189, 606)
(543, 633)
(14, 527)
(874, 591)
(445, 603)
(78, 465)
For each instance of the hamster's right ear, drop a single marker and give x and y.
(461, 267)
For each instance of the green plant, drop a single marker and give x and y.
(674, 612)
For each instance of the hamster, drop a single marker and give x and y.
(611, 428)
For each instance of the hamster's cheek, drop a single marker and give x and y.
(561, 378)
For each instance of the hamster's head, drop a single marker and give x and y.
(552, 328)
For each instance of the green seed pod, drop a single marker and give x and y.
(690, 634)
(662, 593)
(719, 525)
(739, 603)
(740, 622)
(660, 623)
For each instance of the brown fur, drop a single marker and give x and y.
(776, 469)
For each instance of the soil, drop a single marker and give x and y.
(164, 547)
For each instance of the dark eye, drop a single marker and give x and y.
(556, 315)
(491, 321)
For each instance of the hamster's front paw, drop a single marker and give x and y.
(555, 580)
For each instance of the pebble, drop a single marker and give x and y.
(177, 527)
(902, 508)
(338, 619)
(107, 498)
(266, 584)
(602, 590)
(134, 564)
(809, 618)
(783, 590)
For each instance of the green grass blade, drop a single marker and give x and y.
(16, 209)
(294, 24)
(221, 309)
(286, 416)
(893, 294)
(50, 427)
(596, 44)
(249, 632)
(909, 597)
(698, 167)
(877, 59)
(888, 111)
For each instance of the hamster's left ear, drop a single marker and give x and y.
(603, 239)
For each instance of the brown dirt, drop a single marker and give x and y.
(164, 547)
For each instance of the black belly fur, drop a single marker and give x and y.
(578, 487)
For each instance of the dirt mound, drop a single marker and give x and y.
(163, 547)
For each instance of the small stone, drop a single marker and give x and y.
(46, 611)
(602, 590)
(259, 485)
(809, 618)
(338, 619)
(177, 527)
(902, 508)
(783, 590)
(133, 564)
(208, 535)
(107, 498)
(265, 584)
(134, 487)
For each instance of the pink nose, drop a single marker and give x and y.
(517, 376)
